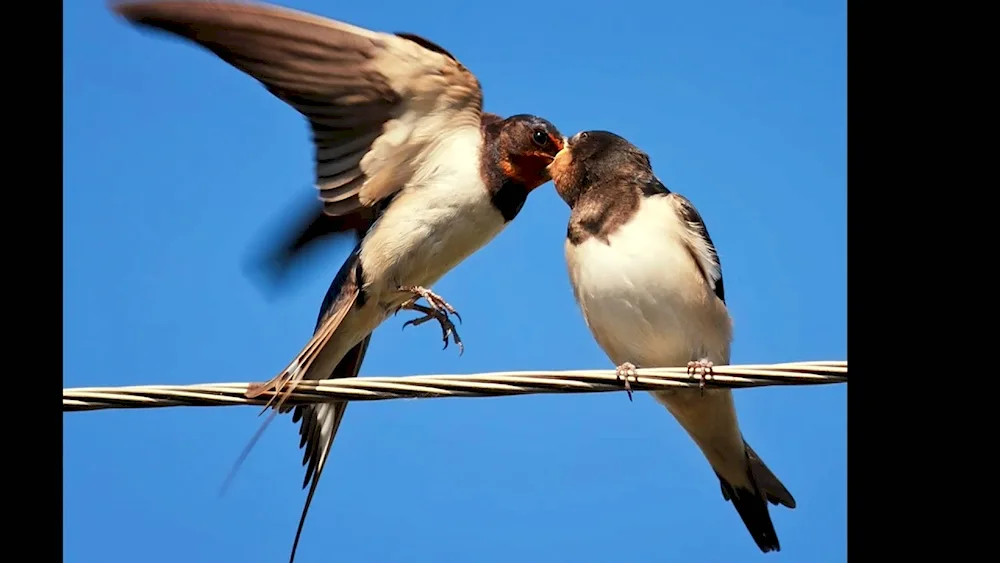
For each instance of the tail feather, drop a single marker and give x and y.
(318, 430)
(320, 422)
(751, 503)
(343, 292)
(752, 508)
(767, 482)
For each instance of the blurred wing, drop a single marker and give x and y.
(301, 227)
(376, 102)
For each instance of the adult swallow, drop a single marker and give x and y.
(405, 157)
(648, 280)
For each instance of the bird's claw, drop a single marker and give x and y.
(433, 299)
(439, 310)
(703, 369)
(626, 371)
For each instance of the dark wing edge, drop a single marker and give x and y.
(426, 44)
(707, 257)
(768, 482)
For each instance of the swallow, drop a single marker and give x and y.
(405, 158)
(648, 280)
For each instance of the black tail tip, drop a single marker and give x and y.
(753, 510)
(768, 545)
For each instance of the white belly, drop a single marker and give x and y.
(435, 223)
(646, 302)
(643, 296)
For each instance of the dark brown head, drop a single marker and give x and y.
(523, 147)
(592, 158)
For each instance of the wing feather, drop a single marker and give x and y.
(377, 103)
(700, 244)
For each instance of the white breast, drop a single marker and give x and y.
(643, 296)
(441, 217)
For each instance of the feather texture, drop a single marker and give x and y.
(648, 280)
(397, 125)
(377, 103)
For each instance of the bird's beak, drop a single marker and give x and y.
(562, 150)
(561, 162)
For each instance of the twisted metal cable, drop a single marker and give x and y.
(496, 384)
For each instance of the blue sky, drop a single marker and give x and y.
(176, 166)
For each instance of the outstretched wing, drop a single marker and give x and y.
(376, 102)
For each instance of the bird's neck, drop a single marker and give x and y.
(600, 211)
(508, 196)
(506, 193)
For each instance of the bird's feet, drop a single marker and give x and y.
(703, 369)
(439, 310)
(626, 371)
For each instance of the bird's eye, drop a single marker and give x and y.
(541, 138)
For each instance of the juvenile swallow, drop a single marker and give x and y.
(648, 281)
(406, 158)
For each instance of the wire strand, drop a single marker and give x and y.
(496, 384)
